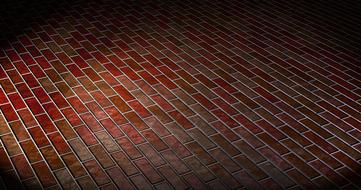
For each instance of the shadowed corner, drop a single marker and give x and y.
(26, 17)
(336, 19)
(9, 181)
(16, 17)
(2, 184)
(21, 17)
(332, 20)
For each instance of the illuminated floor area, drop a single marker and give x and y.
(235, 94)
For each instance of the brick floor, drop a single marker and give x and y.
(180, 94)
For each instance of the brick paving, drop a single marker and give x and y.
(180, 95)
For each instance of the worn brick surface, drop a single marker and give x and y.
(180, 95)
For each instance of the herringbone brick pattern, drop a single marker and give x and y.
(181, 95)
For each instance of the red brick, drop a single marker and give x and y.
(218, 96)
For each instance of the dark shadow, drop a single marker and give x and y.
(19, 16)
(9, 182)
(337, 19)
(337, 22)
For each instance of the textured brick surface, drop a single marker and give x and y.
(180, 94)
